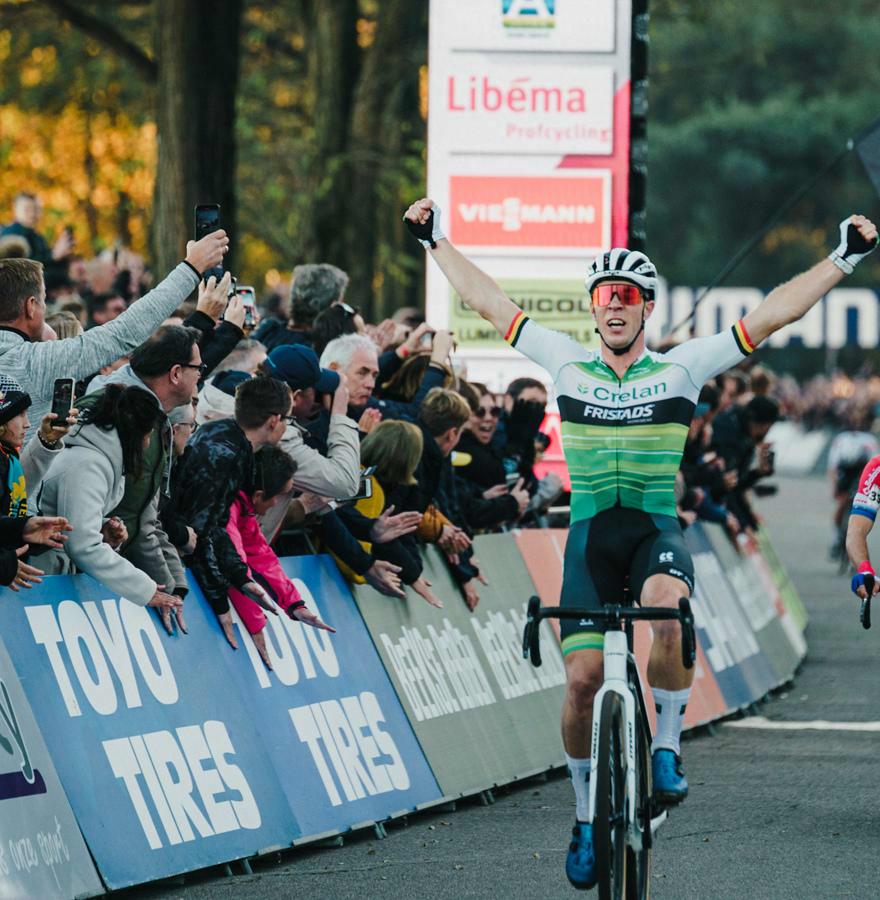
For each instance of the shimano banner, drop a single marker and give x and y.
(154, 744)
(327, 712)
(483, 714)
(42, 853)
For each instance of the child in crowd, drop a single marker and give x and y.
(273, 479)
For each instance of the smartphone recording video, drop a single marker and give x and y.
(249, 302)
(207, 222)
(62, 399)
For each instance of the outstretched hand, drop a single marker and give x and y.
(49, 530)
(389, 527)
(307, 617)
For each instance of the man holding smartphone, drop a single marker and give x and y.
(36, 364)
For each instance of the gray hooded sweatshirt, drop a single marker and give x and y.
(85, 483)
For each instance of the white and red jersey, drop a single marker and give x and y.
(867, 500)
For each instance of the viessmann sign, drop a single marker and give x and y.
(566, 213)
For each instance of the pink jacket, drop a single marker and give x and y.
(245, 533)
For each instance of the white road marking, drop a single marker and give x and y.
(814, 725)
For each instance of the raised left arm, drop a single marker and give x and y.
(790, 301)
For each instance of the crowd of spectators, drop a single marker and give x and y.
(726, 456)
(197, 442)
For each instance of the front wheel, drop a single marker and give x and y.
(609, 821)
(638, 862)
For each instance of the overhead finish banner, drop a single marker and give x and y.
(327, 712)
(528, 148)
(42, 853)
(483, 714)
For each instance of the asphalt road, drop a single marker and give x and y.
(772, 813)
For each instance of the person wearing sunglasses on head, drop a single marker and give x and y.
(625, 413)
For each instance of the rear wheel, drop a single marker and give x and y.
(638, 862)
(609, 821)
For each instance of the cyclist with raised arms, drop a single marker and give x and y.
(625, 413)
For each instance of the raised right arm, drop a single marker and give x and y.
(480, 292)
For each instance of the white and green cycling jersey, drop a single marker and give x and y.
(623, 437)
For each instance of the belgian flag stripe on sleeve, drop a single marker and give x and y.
(743, 341)
(516, 327)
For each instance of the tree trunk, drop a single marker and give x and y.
(197, 46)
(382, 126)
(334, 63)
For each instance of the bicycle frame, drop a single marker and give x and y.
(618, 657)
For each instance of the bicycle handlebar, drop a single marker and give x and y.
(865, 610)
(613, 616)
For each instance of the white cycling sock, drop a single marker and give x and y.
(580, 779)
(670, 707)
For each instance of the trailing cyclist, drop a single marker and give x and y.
(625, 412)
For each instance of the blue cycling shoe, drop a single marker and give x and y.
(670, 785)
(580, 864)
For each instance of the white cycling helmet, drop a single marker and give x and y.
(620, 264)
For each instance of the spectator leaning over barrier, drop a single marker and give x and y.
(273, 477)
(481, 481)
(335, 472)
(85, 484)
(181, 536)
(738, 436)
(356, 357)
(442, 418)
(395, 448)
(217, 395)
(35, 363)
(217, 464)
(22, 470)
(167, 366)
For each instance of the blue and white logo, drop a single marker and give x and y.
(528, 13)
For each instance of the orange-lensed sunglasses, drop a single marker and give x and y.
(629, 294)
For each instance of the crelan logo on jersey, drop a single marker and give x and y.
(607, 395)
(528, 13)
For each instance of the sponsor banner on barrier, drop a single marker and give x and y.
(756, 590)
(327, 713)
(482, 713)
(743, 672)
(154, 745)
(543, 551)
(42, 853)
(787, 591)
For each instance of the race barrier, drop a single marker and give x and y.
(177, 753)
(483, 714)
(42, 853)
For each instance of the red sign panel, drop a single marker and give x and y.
(568, 213)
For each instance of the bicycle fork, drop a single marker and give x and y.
(616, 655)
(616, 681)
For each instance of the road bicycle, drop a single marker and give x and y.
(621, 809)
